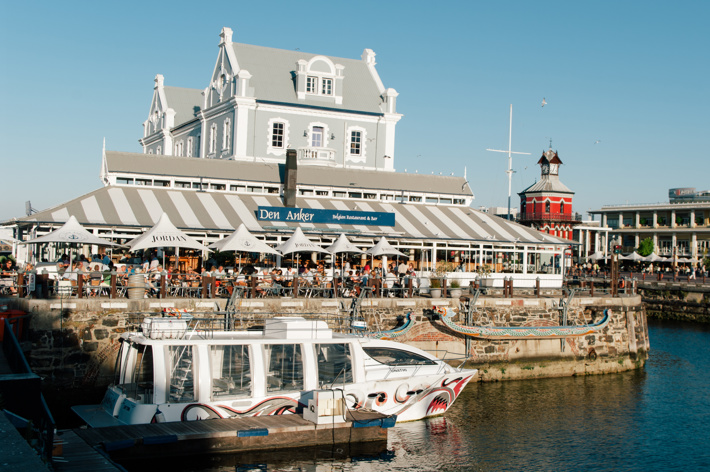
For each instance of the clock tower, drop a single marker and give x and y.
(547, 204)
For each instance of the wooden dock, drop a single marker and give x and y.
(232, 435)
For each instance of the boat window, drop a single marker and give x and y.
(182, 389)
(389, 356)
(231, 374)
(120, 369)
(335, 365)
(138, 376)
(285, 367)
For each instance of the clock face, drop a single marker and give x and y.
(545, 168)
(553, 168)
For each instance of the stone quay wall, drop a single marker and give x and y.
(73, 344)
(676, 301)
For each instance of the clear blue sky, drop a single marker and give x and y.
(634, 75)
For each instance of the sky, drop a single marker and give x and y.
(627, 86)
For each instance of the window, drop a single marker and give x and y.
(371, 196)
(271, 189)
(124, 180)
(137, 376)
(161, 183)
(354, 194)
(322, 193)
(179, 148)
(317, 136)
(213, 138)
(189, 147)
(226, 134)
(255, 189)
(277, 135)
(146, 182)
(182, 184)
(355, 143)
(446, 201)
(432, 200)
(327, 86)
(547, 206)
(307, 192)
(389, 356)
(562, 207)
(334, 364)
(459, 201)
(159, 150)
(237, 188)
(231, 372)
(218, 186)
(339, 194)
(312, 84)
(285, 370)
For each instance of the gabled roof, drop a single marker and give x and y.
(186, 102)
(273, 79)
(191, 167)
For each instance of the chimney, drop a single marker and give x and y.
(290, 178)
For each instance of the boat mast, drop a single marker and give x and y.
(510, 157)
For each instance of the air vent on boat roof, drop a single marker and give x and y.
(283, 327)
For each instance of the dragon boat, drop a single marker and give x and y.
(522, 332)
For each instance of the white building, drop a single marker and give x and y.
(216, 158)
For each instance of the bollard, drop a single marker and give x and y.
(162, 284)
(294, 286)
(80, 284)
(537, 287)
(114, 280)
(443, 288)
(510, 287)
(591, 288)
(336, 283)
(410, 287)
(252, 284)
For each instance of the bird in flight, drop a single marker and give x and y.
(597, 141)
(543, 101)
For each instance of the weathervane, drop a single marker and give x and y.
(510, 157)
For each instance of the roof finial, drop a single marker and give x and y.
(550, 143)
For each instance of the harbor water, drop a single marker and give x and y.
(653, 419)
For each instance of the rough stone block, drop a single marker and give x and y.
(91, 347)
(110, 322)
(100, 334)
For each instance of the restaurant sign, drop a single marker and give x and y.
(316, 216)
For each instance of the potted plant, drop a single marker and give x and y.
(435, 287)
(455, 289)
(484, 272)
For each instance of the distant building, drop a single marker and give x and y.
(682, 225)
(547, 204)
(503, 212)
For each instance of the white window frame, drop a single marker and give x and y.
(179, 146)
(189, 147)
(159, 150)
(213, 139)
(326, 86)
(320, 132)
(361, 157)
(226, 134)
(270, 148)
(312, 84)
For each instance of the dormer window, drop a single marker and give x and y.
(326, 86)
(312, 84)
(319, 85)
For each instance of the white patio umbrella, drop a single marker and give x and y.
(165, 234)
(384, 248)
(342, 245)
(72, 232)
(597, 256)
(242, 241)
(298, 242)
(634, 256)
(653, 257)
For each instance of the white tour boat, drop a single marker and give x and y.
(171, 373)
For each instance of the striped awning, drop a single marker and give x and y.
(220, 212)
